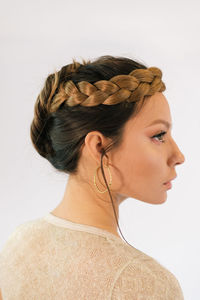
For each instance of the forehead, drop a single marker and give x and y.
(155, 107)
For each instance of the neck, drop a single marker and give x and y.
(83, 205)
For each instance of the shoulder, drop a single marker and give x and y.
(21, 237)
(145, 281)
(21, 246)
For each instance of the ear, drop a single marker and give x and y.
(95, 141)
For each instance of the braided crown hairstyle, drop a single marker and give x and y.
(101, 95)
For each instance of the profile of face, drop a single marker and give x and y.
(143, 162)
(140, 165)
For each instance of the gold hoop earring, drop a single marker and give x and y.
(95, 180)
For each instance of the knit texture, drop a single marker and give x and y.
(50, 258)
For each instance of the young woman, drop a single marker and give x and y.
(107, 124)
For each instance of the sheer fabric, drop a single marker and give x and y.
(50, 258)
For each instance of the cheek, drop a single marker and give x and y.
(144, 162)
(138, 165)
(140, 171)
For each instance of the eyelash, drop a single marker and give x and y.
(160, 135)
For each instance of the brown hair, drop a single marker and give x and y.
(90, 96)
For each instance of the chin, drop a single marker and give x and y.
(161, 200)
(154, 200)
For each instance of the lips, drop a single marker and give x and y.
(170, 180)
(168, 185)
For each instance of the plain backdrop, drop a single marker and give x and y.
(39, 37)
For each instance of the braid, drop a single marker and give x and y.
(43, 105)
(131, 88)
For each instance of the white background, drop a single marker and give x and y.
(39, 37)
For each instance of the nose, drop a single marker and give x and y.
(178, 157)
(181, 159)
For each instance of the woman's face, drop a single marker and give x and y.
(142, 164)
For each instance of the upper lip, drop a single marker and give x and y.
(171, 179)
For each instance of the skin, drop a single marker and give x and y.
(139, 167)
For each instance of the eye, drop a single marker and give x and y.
(162, 133)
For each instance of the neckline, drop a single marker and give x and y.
(49, 217)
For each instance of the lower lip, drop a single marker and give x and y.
(168, 185)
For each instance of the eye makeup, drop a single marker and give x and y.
(162, 133)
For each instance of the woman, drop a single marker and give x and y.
(109, 115)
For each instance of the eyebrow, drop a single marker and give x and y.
(161, 121)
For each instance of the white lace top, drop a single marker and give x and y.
(55, 259)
